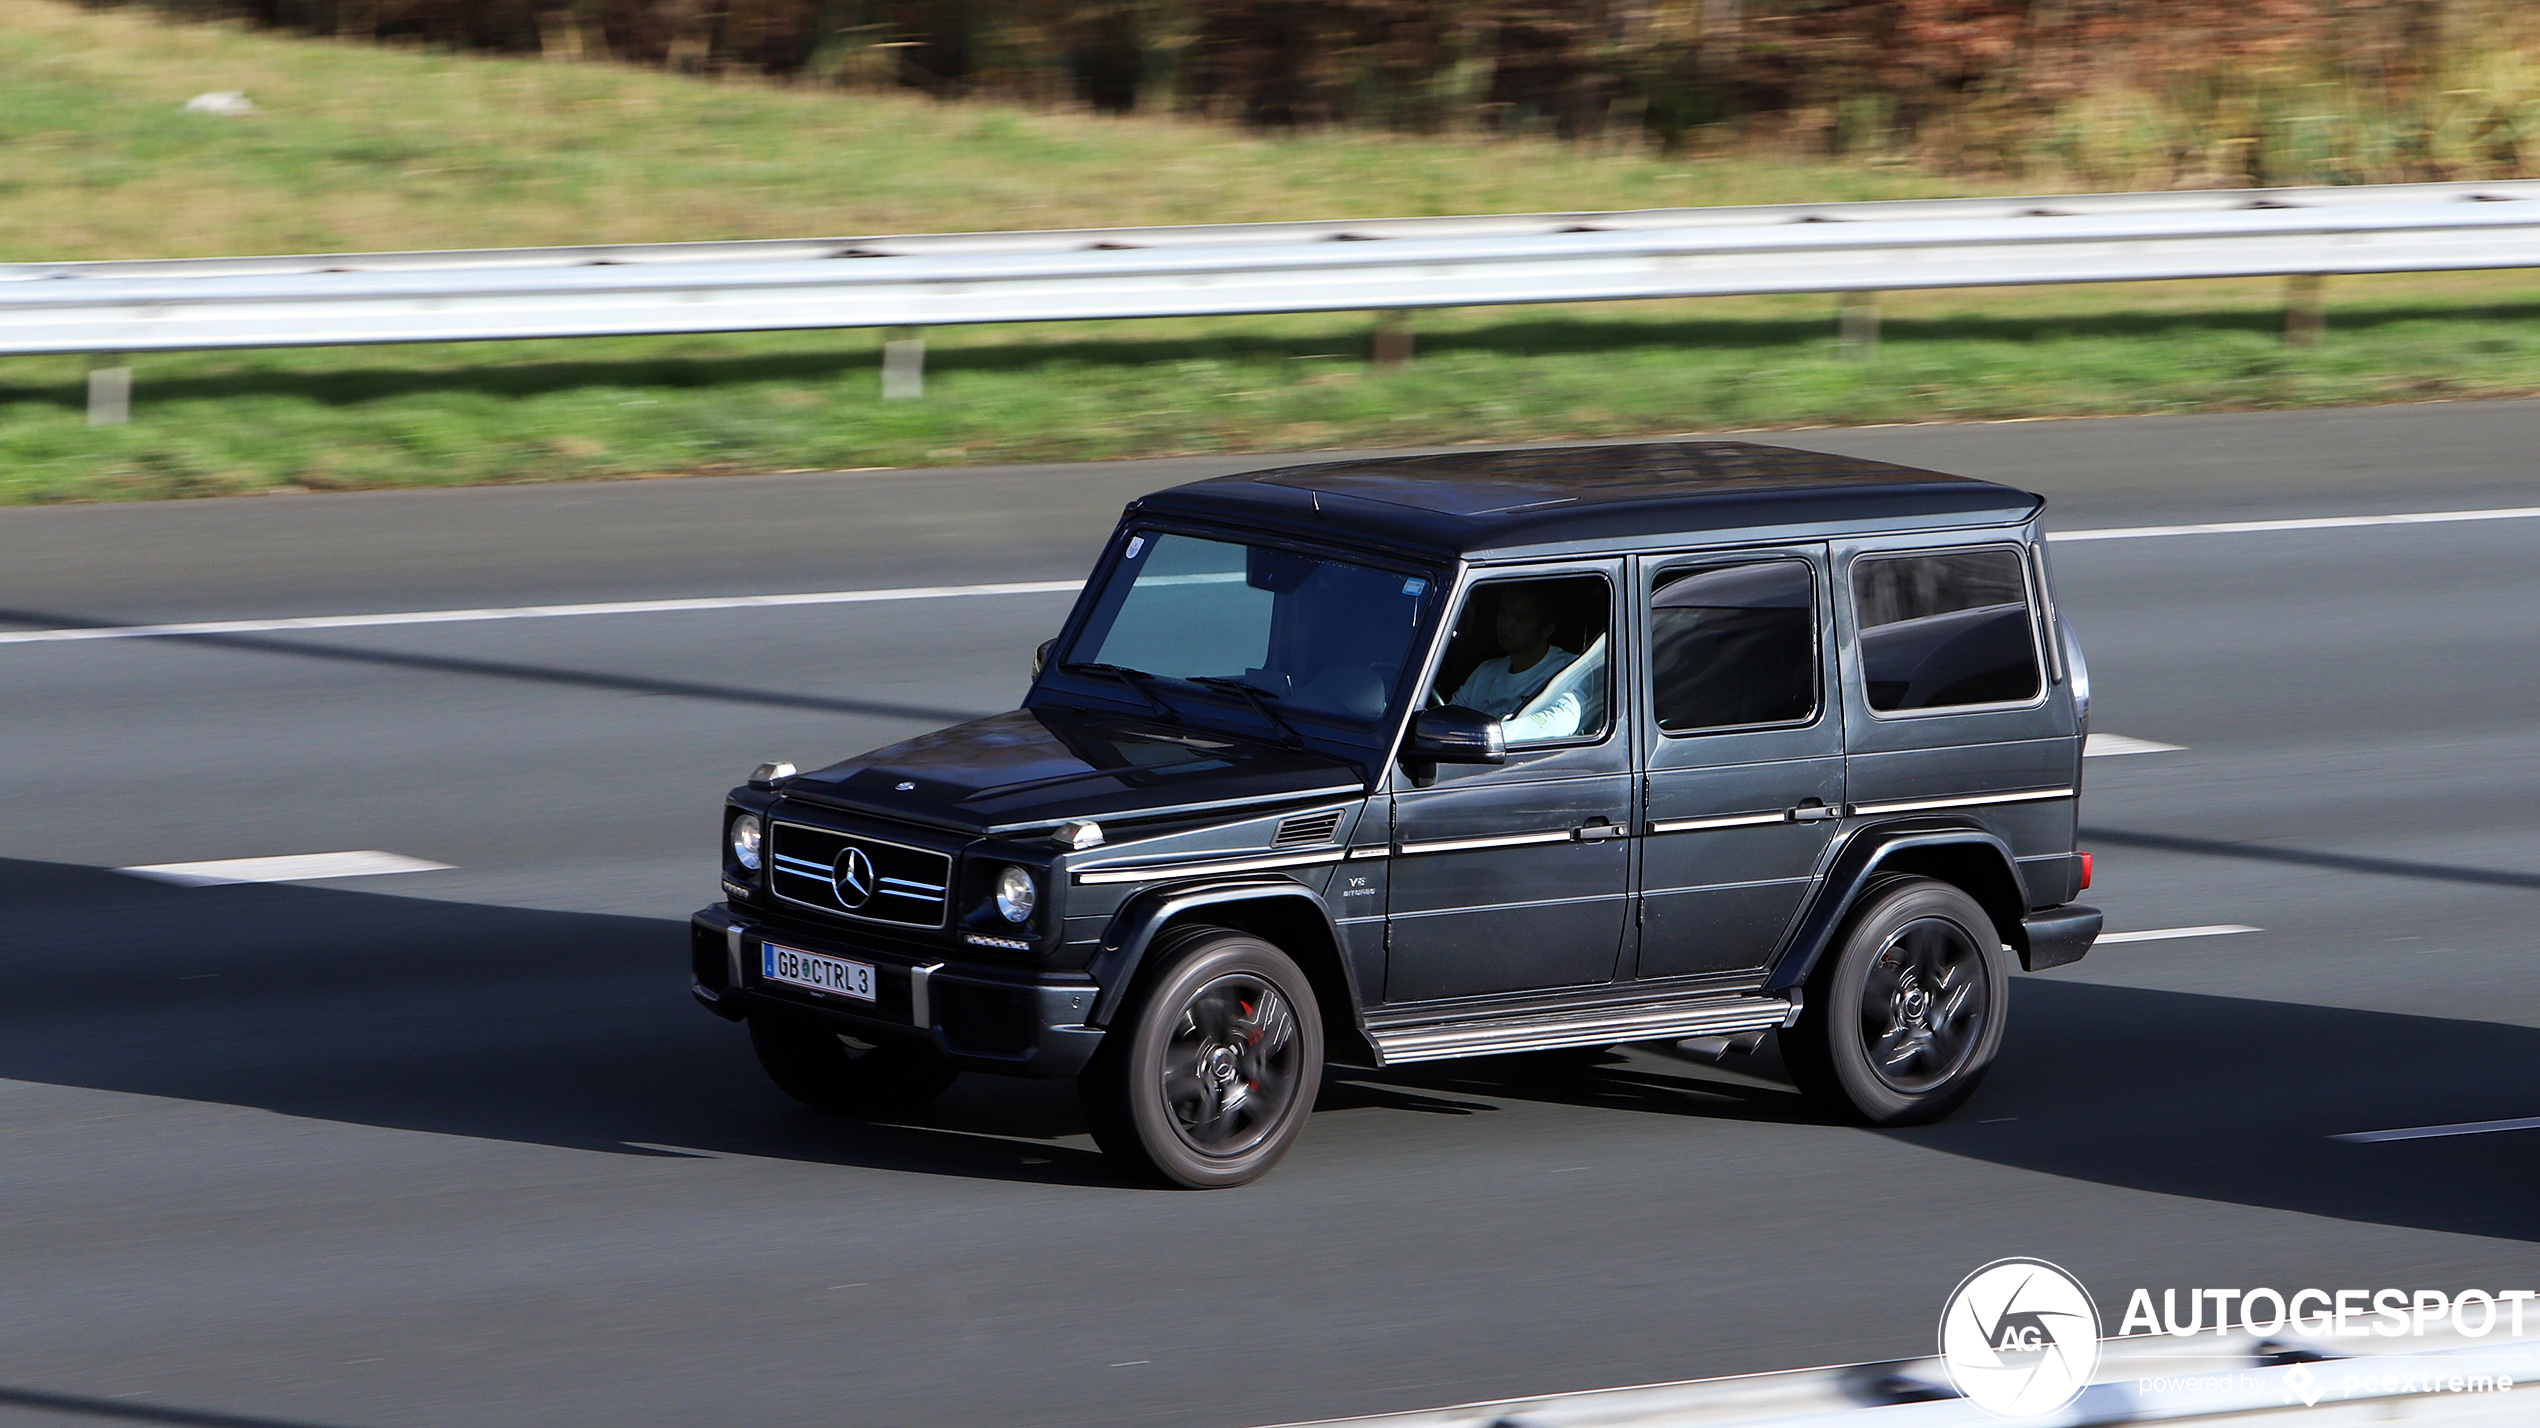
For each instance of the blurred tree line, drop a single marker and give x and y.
(2148, 93)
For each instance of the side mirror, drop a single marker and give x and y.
(1041, 657)
(1456, 735)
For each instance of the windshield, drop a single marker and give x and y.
(1310, 639)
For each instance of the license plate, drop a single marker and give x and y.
(797, 968)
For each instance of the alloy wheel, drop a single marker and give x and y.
(1232, 1066)
(1923, 1005)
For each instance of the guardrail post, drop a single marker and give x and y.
(109, 391)
(1857, 324)
(903, 363)
(1393, 338)
(2303, 319)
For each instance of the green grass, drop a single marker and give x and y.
(365, 147)
(216, 424)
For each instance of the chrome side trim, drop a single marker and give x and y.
(1503, 906)
(1463, 845)
(1379, 851)
(998, 830)
(2043, 795)
(1712, 1016)
(1145, 872)
(1733, 820)
(921, 1009)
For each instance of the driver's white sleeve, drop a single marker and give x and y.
(1556, 720)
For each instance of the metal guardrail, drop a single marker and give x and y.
(2141, 1380)
(918, 281)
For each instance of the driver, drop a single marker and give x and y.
(1501, 685)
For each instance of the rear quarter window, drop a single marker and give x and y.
(1945, 629)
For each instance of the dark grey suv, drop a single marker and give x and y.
(1387, 761)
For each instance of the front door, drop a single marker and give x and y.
(1745, 755)
(1516, 877)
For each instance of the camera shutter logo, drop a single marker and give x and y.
(852, 876)
(2020, 1338)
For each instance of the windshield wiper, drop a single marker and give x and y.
(1134, 680)
(1256, 696)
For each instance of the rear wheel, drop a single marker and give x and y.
(840, 1074)
(1904, 1015)
(1207, 1076)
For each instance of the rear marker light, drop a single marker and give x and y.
(2085, 872)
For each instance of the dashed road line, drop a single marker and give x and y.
(288, 624)
(290, 868)
(2309, 523)
(2437, 1132)
(2166, 934)
(530, 612)
(2109, 746)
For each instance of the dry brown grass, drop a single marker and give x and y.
(363, 147)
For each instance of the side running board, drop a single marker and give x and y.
(1601, 1026)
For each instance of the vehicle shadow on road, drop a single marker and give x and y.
(554, 1028)
(2238, 1100)
(575, 1030)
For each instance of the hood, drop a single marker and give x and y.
(1039, 767)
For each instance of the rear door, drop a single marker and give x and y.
(1743, 746)
(1955, 706)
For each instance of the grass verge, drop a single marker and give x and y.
(213, 424)
(361, 147)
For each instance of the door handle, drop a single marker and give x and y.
(1598, 831)
(1813, 811)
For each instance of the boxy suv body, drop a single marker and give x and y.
(1392, 760)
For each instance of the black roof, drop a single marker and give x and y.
(1552, 499)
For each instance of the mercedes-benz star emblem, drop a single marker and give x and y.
(852, 876)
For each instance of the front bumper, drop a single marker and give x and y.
(1003, 1021)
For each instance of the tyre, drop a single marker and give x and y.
(1905, 1012)
(844, 1076)
(1207, 1075)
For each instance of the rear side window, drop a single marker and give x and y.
(1734, 646)
(1945, 629)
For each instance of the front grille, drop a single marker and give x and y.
(890, 882)
(1306, 828)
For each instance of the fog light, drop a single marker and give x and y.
(1016, 894)
(745, 836)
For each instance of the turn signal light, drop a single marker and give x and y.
(2085, 872)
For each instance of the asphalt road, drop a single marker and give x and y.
(453, 1147)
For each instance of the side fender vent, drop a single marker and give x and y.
(1306, 829)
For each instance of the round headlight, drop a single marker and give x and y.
(1016, 894)
(745, 836)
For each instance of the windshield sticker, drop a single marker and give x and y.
(1414, 586)
(1136, 544)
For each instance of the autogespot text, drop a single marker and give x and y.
(2331, 1314)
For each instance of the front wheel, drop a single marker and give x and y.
(1207, 1076)
(1904, 1016)
(843, 1075)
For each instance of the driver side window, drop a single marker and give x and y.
(1533, 655)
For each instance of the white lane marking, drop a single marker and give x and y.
(2109, 746)
(2313, 523)
(2165, 934)
(292, 868)
(533, 612)
(2432, 1132)
(1023, 587)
